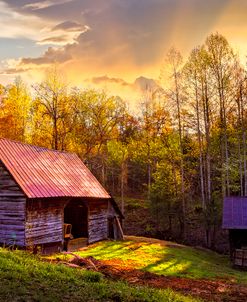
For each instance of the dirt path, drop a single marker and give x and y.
(216, 291)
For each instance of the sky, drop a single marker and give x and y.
(109, 43)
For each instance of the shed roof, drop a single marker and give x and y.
(235, 213)
(43, 173)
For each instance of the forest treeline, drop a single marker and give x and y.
(183, 150)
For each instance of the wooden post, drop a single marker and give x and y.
(120, 228)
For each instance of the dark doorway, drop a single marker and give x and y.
(111, 228)
(76, 214)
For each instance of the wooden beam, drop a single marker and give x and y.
(120, 227)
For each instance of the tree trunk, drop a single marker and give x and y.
(122, 187)
(183, 221)
(199, 138)
(240, 130)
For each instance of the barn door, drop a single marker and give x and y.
(76, 214)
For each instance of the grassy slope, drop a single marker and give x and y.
(166, 258)
(25, 278)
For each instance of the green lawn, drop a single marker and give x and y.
(25, 277)
(166, 258)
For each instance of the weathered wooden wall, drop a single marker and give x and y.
(30, 222)
(97, 220)
(116, 221)
(44, 221)
(100, 213)
(12, 210)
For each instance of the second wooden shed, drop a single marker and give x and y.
(235, 221)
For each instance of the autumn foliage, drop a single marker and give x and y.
(183, 150)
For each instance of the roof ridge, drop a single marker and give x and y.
(35, 146)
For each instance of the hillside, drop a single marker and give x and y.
(166, 258)
(25, 277)
(137, 269)
(162, 264)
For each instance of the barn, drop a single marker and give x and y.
(235, 220)
(51, 201)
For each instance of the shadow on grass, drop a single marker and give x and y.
(166, 260)
(113, 250)
(168, 265)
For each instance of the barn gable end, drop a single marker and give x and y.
(12, 210)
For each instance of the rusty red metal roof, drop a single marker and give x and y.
(42, 172)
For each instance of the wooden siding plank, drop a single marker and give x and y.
(97, 221)
(12, 210)
(44, 221)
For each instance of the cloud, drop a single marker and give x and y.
(126, 38)
(54, 40)
(146, 84)
(141, 83)
(66, 33)
(14, 24)
(38, 4)
(51, 56)
(14, 71)
(18, 24)
(127, 34)
(70, 26)
(105, 79)
(131, 92)
(12, 66)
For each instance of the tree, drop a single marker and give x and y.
(15, 113)
(200, 93)
(175, 94)
(119, 154)
(52, 116)
(97, 122)
(222, 60)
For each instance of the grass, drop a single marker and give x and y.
(166, 259)
(25, 277)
